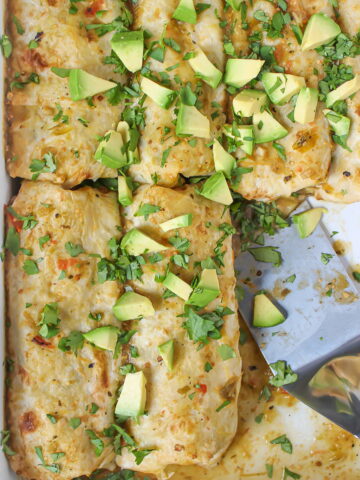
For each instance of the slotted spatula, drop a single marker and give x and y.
(320, 338)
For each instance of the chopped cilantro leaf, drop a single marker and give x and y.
(96, 442)
(284, 442)
(30, 267)
(146, 209)
(72, 343)
(226, 352)
(73, 250)
(284, 374)
(74, 423)
(49, 321)
(267, 255)
(326, 257)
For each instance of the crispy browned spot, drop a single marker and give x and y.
(305, 140)
(41, 341)
(34, 59)
(28, 422)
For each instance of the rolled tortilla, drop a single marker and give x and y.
(190, 412)
(47, 387)
(158, 136)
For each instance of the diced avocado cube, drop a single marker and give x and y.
(319, 30)
(239, 71)
(307, 221)
(267, 129)
(111, 150)
(207, 289)
(185, 12)
(224, 162)
(204, 69)
(124, 129)
(338, 123)
(131, 306)
(132, 400)
(344, 91)
(167, 350)
(103, 337)
(129, 47)
(306, 103)
(266, 314)
(249, 101)
(178, 222)
(216, 188)
(125, 196)
(163, 96)
(136, 243)
(83, 85)
(243, 136)
(192, 122)
(280, 87)
(177, 286)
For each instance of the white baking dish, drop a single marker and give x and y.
(344, 219)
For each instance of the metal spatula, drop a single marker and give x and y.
(320, 338)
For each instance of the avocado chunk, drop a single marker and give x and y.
(103, 337)
(167, 350)
(131, 306)
(163, 96)
(243, 135)
(136, 243)
(267, 129)
(319, 30)
(177, 286)
(266, 314)
(132, 155)
(178, 222)
(216, 188)
(306, 103)
(206, 290)
(344, 91)
(307, 221)
(338, 123)
(239, 71)
(249, 101)
(125, 196)
(192, 122)
(224, 162)
(204, 69)
(111, 150)
(83, 85)
(280, 87)
(185, 12)
(132, 400)
(129, 47)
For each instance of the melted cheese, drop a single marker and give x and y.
(180, 429)
(44, 379)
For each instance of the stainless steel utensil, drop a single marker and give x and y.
(320, 338)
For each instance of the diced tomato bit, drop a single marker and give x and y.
(94, 8)
(202, 388)
(65, 263)
(17, 224)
